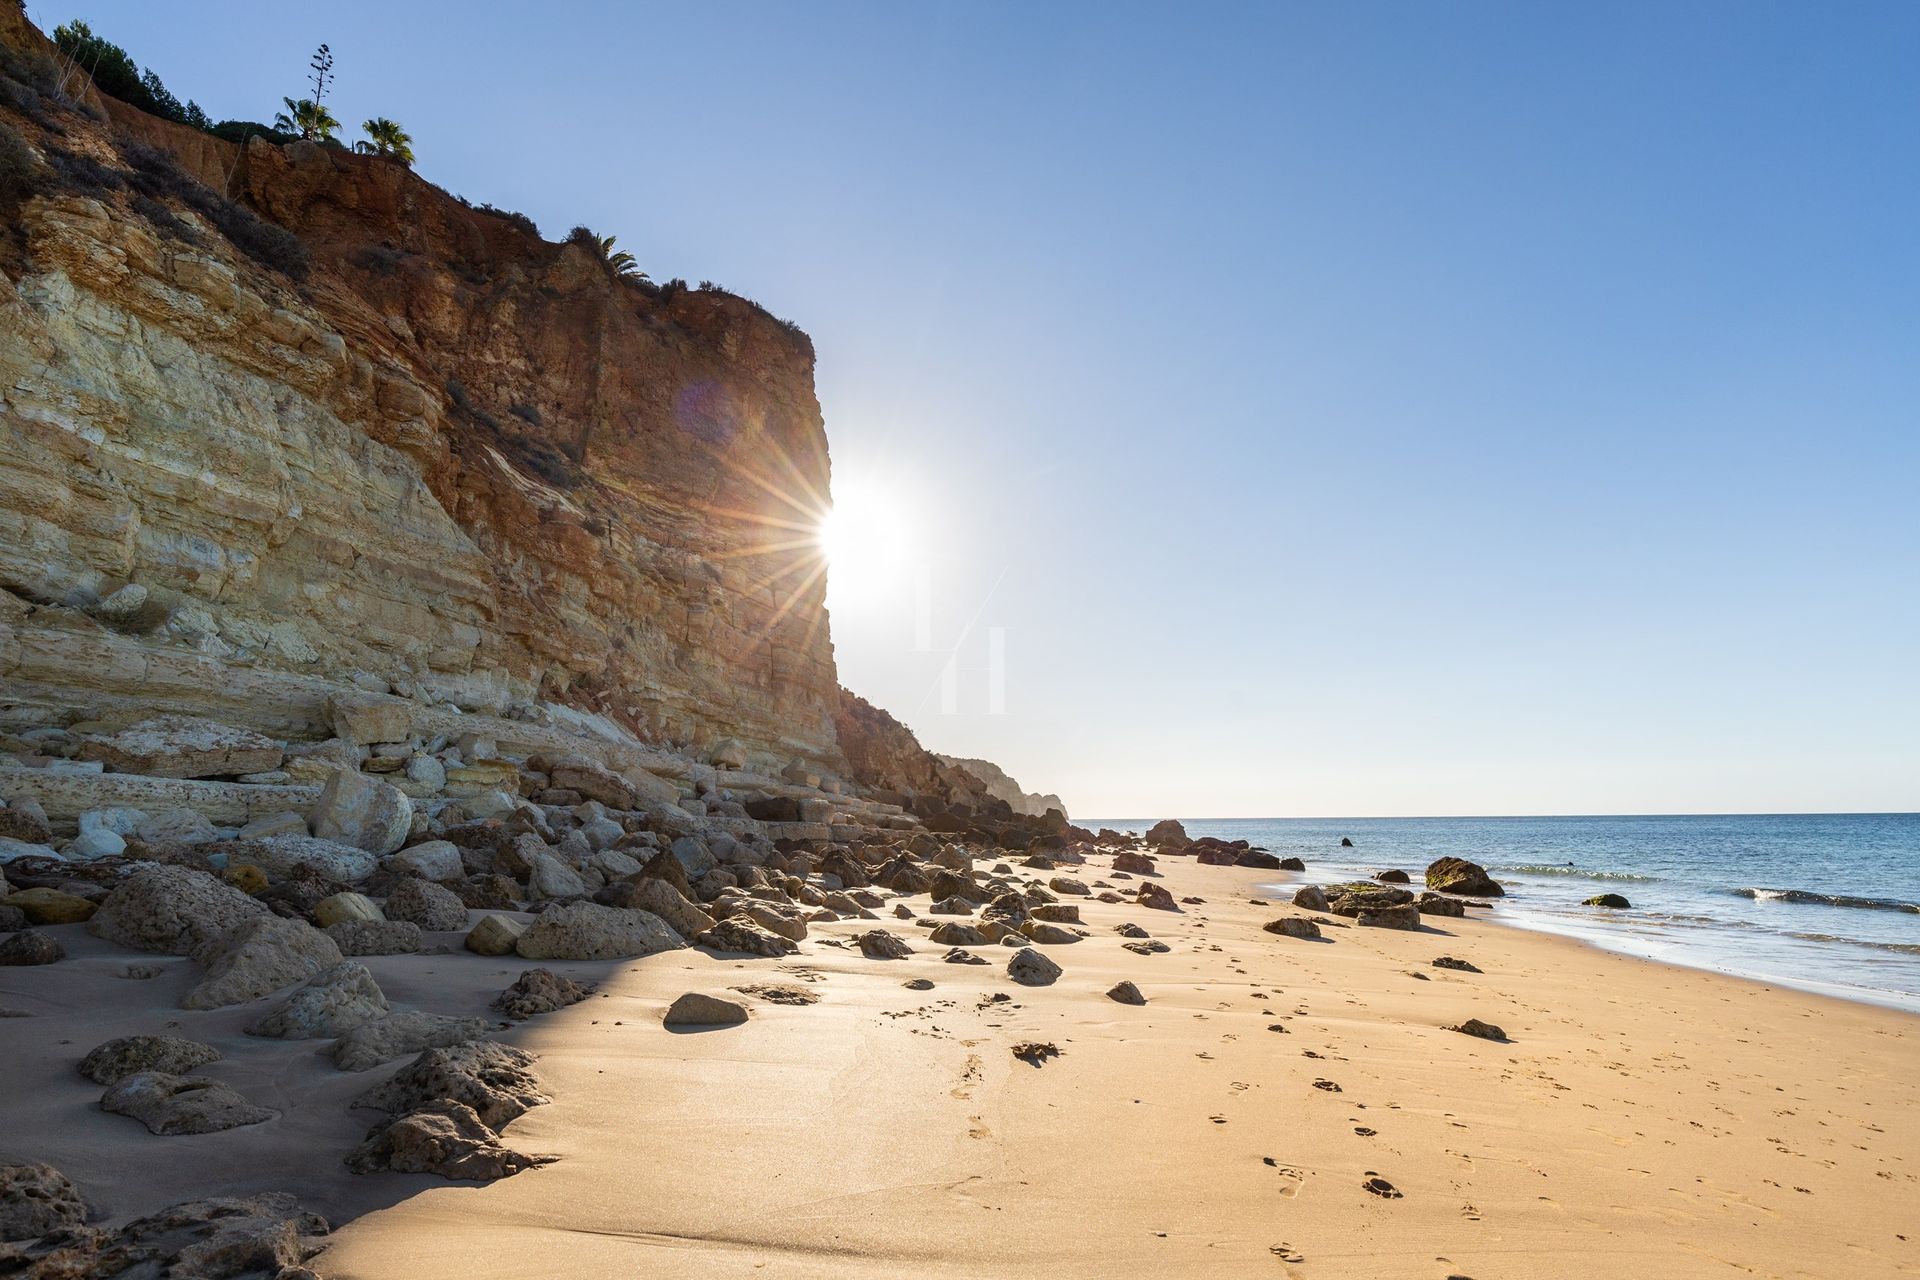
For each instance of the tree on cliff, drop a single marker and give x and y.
(386, 138)
(308, 119)
(618, 262)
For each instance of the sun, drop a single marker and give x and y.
(867, 537)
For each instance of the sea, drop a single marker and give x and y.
(1823, 902)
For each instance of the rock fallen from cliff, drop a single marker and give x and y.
(1392, 875)
(1132, 863)
(1292, 927)
(174, 1105)
(1168, 834)
(367, 719)
(1031, 969)
(1351, 899)
(171, 910)
(1310, 897)
(960, 956)
(495, 935)
(430, 906)
(1125, 992)
(696, 1009)
(652, 893)
(878, 944)
(1484, 1030)
(364, 812)
(589, 931)
(1157, 898)
(1438, 904)
(1457, 875)
(43, 904)
(37, 1200)
(330, 1004)
(290, 856)
(260, 1237)
(258, 957)
(1449, 962)
(117, 1059)
(399, 1033)
(493, 1079)
(176, 746)
(446, 1138)
(30, 947)
(539, 991)
(1405, 916)
(376, 937)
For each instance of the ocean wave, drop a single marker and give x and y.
(1904, 948)
(1580, 872)
(1827, 899)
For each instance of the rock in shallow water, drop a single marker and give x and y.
(1457, 875)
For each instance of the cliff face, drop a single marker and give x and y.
(453, 457)
(1001, 785)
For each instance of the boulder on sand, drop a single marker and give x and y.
(496, 1080)
(1457, 875)
(1168, 834)
(332, 1003)
(447, 1138)
(400, 1033)
(589, 931)
(115, 1060)
(1031, 969)
(37, 1200)
(1292, 927)
(171, 910)
(1310, 897)
(695, 1009)
(30, 947)
(258, 957)
(172, 1105)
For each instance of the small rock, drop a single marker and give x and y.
(1405, 916)
(430, 906)
(1448, 962)
(741, 936)
(37, 1200)
(398, 1034)
(494, 1079)
(30, 946)
(376, 937)
(332, 1003)
(1612, 900)
(1031, 969)
(1035, 1053)
(495, 935)
(539, 991)
(1457, 875)
(1381, 1187)
(1393, 875)
(1125, 993)
(342, 907)
(447, 1138)
(430, 860)
(1292, 927)
(918, 984)
(42, 905)
(1484, 1030)
(172, 1105)
(958, 956)
(695, 1009)
(1156, 896)
(878, 944)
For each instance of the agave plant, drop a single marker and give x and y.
(307, 118)
(386, 138)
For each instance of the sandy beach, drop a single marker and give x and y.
(1644, 1119)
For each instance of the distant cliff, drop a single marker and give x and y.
(1000, 785)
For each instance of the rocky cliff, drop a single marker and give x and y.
(417, 446)
(1000, 785)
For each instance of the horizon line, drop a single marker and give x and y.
(1426, 817)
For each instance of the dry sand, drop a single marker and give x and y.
(1644, 1120)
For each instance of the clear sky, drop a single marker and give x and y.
(1340, 409)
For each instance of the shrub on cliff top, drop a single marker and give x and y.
(115, 72)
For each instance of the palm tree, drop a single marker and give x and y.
(308, 119)
(619, 263)
(386, 138)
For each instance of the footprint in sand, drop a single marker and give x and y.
(1379, 1186)
(1286, 1252)
(1291, 1179)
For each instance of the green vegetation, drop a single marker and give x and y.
(620, 264)
(307, 119)
(19, 174)
(386, 138)
(114, 72)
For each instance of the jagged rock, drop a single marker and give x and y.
(952, 933)
(953, 907)
(37, 1200)
(430, 860)
(227, 1238)
(694, 857)
(1449, 962)
(1404, 916)
(651, 893)
(1047, 934)
(1156, 896)
(368, 814)
(589, 931)
(27, 825)
(592, 781)
(549, 877)
(12, 919)
(341, 907)
(741, 935)
(42, 905)
(1149, 947)
(171, 910)
(1138, 864)
(695, 1009)
(1457, 875)
(1310, 897)
(1434, 904)
(366, 719)
(376, 937)
(878, 944)
(29, 947)
(1613, 900)
(1007, 908)
(495, 935)
(1351, 900)
(1057, 912)
(1125, 993)
(175, 746)
(1131, 930)
(177, 826)
(258, 957)
(1292, 927)
(426, 904)
(284, 857)
(958, 956)
(1292, 864)
(1031, 969)
(115, 1060)
(539, 991)
(494, 1079)
(332, 1003)
(1484, 1030)
(1168, 834)
(397, 1034)
(1068, 885)
(173, 1105)
(446, 1138)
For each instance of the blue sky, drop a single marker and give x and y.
(1342, 409)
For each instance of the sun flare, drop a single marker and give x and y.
(867, 537)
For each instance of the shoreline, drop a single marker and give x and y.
(1676, 1121)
